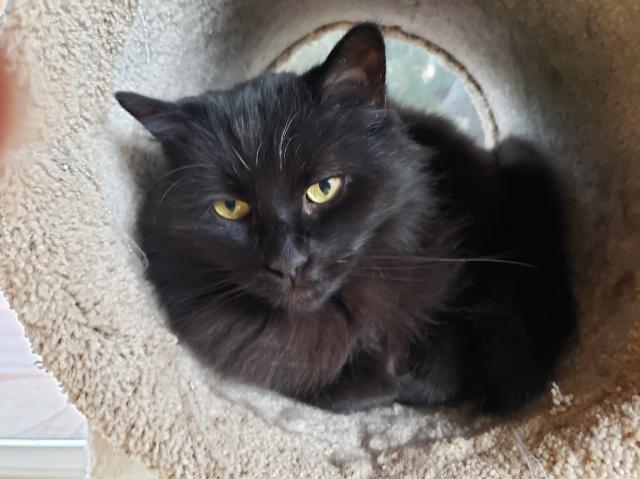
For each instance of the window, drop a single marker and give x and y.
(41, 434)
(416, 77)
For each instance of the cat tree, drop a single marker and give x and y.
(562, 74)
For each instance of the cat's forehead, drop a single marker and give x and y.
(270, 133)
(268, 97)
(248, 135)
(257, 112)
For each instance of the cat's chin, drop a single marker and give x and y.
(303, 300)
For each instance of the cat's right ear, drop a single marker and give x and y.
(355, 70)
(163, 119)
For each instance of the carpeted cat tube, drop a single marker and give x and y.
(562, 75)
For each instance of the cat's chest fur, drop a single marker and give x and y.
(300, 352)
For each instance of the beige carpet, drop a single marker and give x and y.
(564, 74)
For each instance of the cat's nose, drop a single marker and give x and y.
(288, 268)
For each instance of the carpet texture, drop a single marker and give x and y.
(565, 75)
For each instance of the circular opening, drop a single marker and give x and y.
(420, 75)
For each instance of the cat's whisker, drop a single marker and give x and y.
(286, 146)
(171, 172)
(427, 259)
(202, 269)
(258, 151)
(282, 137)
(240, 159)
(182, 168)
(389, 278)
(218, 270)
(173, 185)
(211, 289)
(229, 297)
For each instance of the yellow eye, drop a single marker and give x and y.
(232, 209)
(324, 191)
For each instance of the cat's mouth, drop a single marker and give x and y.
(307, 293)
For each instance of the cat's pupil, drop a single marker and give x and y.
(325, 186)
(230, 204)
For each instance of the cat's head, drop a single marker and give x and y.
(281, 186)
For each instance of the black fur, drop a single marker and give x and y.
(436, 274)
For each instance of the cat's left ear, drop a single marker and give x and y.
(356, 67)
(163, 119)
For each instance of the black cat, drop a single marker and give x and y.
(312, 238)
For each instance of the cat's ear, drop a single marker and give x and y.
(356, 67)
(163, 119)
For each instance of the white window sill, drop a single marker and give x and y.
(43, 459)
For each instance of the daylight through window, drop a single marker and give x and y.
(416, 77)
